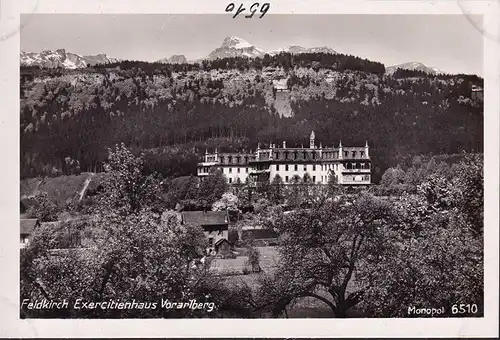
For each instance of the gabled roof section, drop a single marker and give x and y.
(204, 218)
(221, 240)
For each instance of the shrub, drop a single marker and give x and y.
(253, 259)
(233, 236)
(43, 209)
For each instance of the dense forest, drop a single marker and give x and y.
(173, 112)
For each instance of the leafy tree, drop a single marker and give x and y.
(321, 249)
(333, 186)
(434, 242)
(142, 256)
(253, 255)
(127, 190)
(294, 192)
(212, 188)
(133, 253)
(43, 208)
(233, 236)
(228, 202)
(277, 190)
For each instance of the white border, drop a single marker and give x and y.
(11, 325)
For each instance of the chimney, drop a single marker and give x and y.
(311, 140)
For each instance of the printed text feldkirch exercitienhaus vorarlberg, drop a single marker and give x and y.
(116, 304)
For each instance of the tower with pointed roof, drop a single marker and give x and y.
(311, 140)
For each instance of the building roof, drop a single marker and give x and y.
(221, 240)
(204, 218)
(27, 225)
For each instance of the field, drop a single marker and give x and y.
(268, 258)
(60, 189)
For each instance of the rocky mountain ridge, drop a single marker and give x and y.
(414, 66)
(231, 47)
(61, 58)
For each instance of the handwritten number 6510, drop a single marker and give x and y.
(263, 9)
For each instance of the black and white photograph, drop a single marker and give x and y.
(252, 164)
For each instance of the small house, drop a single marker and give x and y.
(28, 225)
(215, 225)
(477, 93)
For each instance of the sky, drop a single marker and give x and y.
(449, 42)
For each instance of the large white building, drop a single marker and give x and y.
(350, 165)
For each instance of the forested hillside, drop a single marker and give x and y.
(172, 112)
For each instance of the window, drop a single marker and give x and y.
(238, 170)
(362, 153)
(277, 167)
(286, 179)
(230, 170)
(230, 180)
(314, 167)
(346, 153)
(314, 179)
(354, 154)
(247, 170)
(211, 241)
(305, 167)
(286, 167)
(296, 167)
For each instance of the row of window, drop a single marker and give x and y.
(324, 167)
(323, 178)
(295, 155)
(357, 178)
(287, 179)
(238, 170)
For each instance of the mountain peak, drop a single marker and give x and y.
(235, 42)
(413, 66)
(175, 59)
(63, 59)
